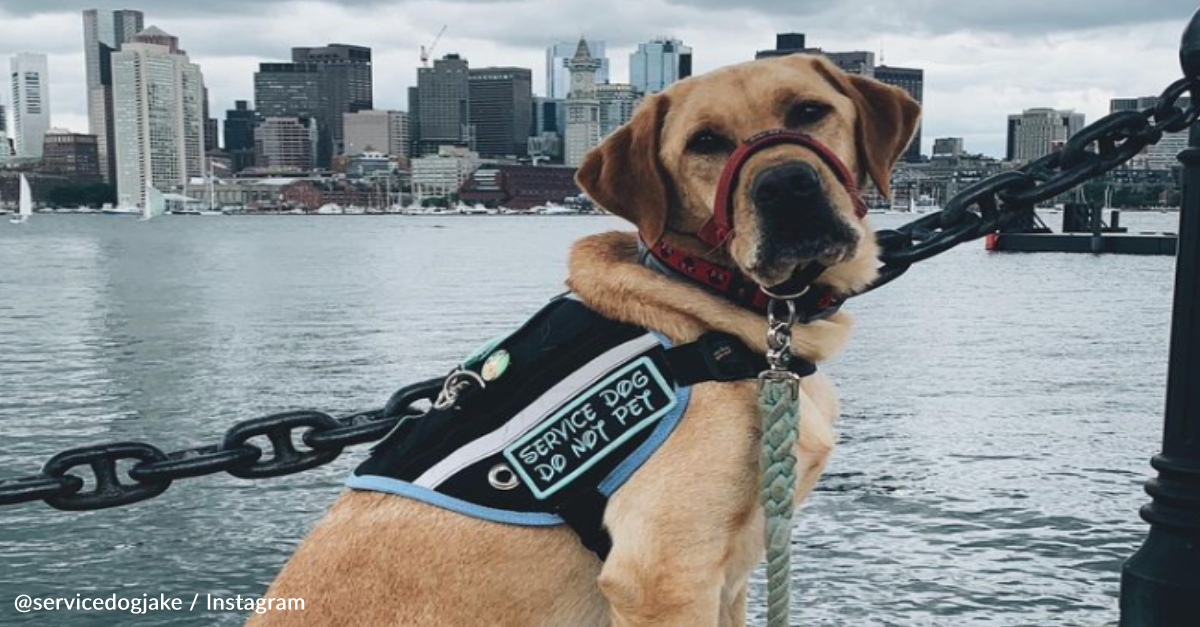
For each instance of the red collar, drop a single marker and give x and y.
(816, 303)
(717, 231)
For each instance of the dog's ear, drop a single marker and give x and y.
(887, 121)
(624, 175)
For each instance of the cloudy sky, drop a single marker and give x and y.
(983, 59)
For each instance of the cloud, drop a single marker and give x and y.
(169, 8)
(939, 17)
(982, 60)
(1017, 17)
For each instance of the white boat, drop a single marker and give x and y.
(25, 205)
(330, 210)
(156, 204)
(471, 210)
(554, 209)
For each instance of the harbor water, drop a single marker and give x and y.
(999, 410)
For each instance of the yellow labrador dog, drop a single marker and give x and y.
(686, 528)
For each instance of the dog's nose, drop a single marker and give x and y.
(785, 186)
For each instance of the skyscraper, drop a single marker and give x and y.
(443, 110)
(1163, 155)
(785, 44)
(5, 147)
(103, 33)
(583, 108)
(859, 62)
(948, 147)
(71, 155)
(157, 96)
(212, 132)
(30, 103)
(1036, 133)
(617, 102)
(239, 127)
(658, 63)
(549, 117)
(558, 78)
(376, 131)
(345, 83)
(293, 90)
(501, 108)
(286, 143)
(239, 135)
(911, 80)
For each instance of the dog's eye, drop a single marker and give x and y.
(707, 142)
(807, 113)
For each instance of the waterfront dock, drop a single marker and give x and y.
(1083, 231)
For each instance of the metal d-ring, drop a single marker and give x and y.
(456, 384)
(786, 297)
(503, 478)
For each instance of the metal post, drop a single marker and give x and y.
(1160, 584)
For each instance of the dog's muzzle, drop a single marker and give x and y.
(717, 231)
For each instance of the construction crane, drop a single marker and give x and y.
(428, 52)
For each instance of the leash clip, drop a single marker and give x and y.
(779, 349)
(779, 334)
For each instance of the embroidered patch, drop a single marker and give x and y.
(495, 365)
(591, 426)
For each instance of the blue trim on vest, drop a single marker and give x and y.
(376, 483)
(607, 487)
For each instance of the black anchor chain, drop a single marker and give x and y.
(323, 436)
(998, 201)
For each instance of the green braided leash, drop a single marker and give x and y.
(779, 406)
(779, 409)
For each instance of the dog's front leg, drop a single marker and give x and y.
(733, 609)
(661, 590)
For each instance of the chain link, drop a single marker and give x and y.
(998, 201)
(61, 482)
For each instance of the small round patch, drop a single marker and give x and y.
(495, 365)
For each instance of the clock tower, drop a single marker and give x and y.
(583, 109)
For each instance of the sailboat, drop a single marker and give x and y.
(210, 192)
(156, 204)
(26, 203)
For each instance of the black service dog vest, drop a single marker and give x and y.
(556, 418)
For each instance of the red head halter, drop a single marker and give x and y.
(719, 228)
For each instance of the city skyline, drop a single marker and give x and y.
(978, 70)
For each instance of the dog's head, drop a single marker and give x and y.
(661, 170)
